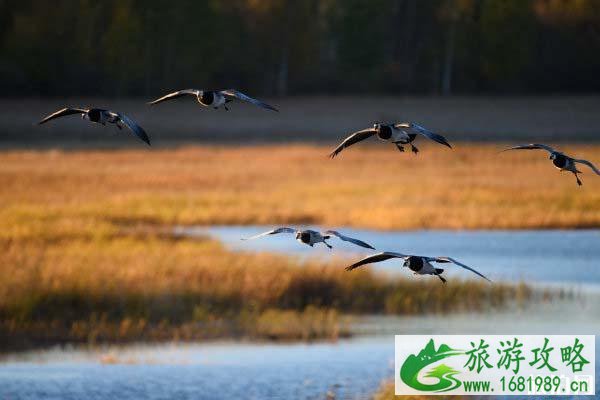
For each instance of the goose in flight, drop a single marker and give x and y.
(560, 160)
(311, 237)
(399, 134)
(214, 98)
(420, 265)
(100, 116)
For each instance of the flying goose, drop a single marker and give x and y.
(311, 237)
(101, 116)
(214, 98)
(560, 160)
(399, 134)
(420, 265)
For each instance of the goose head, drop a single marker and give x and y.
(94, 115)
(206, 97)
(415, 263)
(303, 237)
(384, 131)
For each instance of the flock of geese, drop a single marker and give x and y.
(399, 134)
(420, 265)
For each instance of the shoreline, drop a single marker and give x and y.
(462, 118)
(342, 326)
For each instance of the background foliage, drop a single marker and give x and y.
(134, 47)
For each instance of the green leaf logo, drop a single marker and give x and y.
(409, 372)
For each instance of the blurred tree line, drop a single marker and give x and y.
(135, 47)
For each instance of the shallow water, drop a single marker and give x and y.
(205, 371)
(350, 369)
(553, 256)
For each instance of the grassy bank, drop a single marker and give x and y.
(146, 287)
(52, 193)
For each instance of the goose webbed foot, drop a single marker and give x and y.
(441, 278)
(328, 245)
(400, 148)
(414, 149)
(578, 180)
(226, 108)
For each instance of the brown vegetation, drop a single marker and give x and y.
(57, 193)
(120, 288)
(86, 252)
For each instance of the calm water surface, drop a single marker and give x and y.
(202, 371)
(350, 369)
(553, 256)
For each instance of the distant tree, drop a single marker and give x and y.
(453, 13)
(140, 47)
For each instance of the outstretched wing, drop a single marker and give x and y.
(354, 138)
(386, 255)
(134, 127)
(452, 260)
(242, 96)
(589, 164)
(174, 95)
(283, 229)
(349, 239)
(532, 146)
(62, 113)
(420, 130)
(431, 135)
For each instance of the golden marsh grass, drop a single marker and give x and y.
(118, 288)
(86, 251)
(54, 192)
